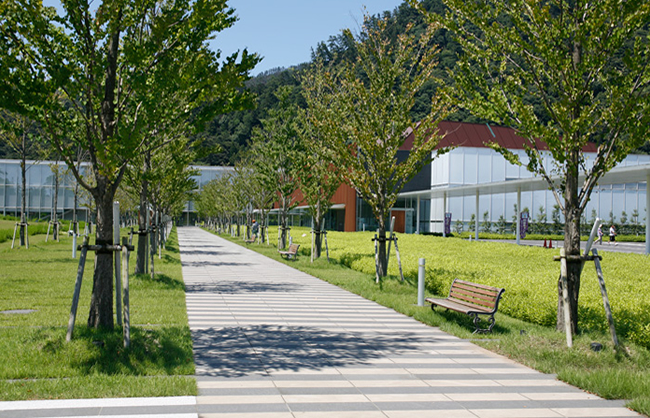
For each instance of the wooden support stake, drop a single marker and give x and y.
(14, 238)
(77, 289)
(116, 261)
(603, 291)
(327, 250)
(390, 238)
(47, 236)
(376, 261)
(399, 261)
(312, 245)
(565, 298)
(125, 294)
(152, 251)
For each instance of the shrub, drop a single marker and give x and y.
(528, 274)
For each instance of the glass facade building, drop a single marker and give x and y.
(40, 186)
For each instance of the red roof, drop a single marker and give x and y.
(477, 135)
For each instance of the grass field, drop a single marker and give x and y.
(529, 276)
(37, 363)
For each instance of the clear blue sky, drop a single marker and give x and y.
(285, 31)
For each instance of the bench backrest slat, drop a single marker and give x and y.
(474, 294)
(489, 293)
(474, 297)
(293, 248)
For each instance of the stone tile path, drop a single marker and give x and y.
(270, 341)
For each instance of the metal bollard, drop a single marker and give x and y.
(421, 274)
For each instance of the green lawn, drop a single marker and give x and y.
(525, 330)
(37, 363)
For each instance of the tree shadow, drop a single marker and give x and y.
(260, 349)
(211, 263)
(208, 252)
(235, 287)
(467, 322)
(164, 350)
(161, 279)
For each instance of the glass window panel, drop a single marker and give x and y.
(11, 196)
(68, 198)
(484, 172)
(497, 207)
(618, 203)
(498, 168)
(33, 197)
(455, 206)
(470, 168)
(456, 167)
(631, 202)
(12, 172)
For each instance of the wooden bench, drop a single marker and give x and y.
(291, 252)
(472, 299)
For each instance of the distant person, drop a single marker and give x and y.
(612, 235)
(255, 228)
(600, 234)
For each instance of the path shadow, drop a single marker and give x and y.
(209, 252)
(260, 349)
(211, 263)
(235, 287)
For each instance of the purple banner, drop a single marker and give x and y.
(447, 223)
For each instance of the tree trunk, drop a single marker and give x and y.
(23, 201)
(282, 244)
(262, 226)
(140, 262)
(101, 301)
(572, 215)
(382, 260)
(318, 227)
(55, 222)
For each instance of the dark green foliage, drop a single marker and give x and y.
(233, 131)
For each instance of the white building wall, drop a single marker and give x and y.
(463, 166)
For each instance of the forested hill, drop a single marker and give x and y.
(233, 130)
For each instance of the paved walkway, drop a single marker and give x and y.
(619, 247)
(270, 341)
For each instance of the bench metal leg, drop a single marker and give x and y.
(477, 321)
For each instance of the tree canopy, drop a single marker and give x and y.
(562, 74)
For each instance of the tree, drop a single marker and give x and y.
(635, 222)
(501, 225)
(540, 221)
(458, 226)
(486, 225)
(623, 223)
(17, 131)
(278, 140)
(260, 193)
(93, 77)
(556, 215)
(318, 179)
(364, 114)
(561, 73)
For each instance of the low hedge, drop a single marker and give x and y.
(528, 274)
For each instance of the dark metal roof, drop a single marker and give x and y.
(477, 135)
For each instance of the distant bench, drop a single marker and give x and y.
(291, 252)
(472, 299)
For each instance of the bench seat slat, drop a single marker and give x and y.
(456, 305)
